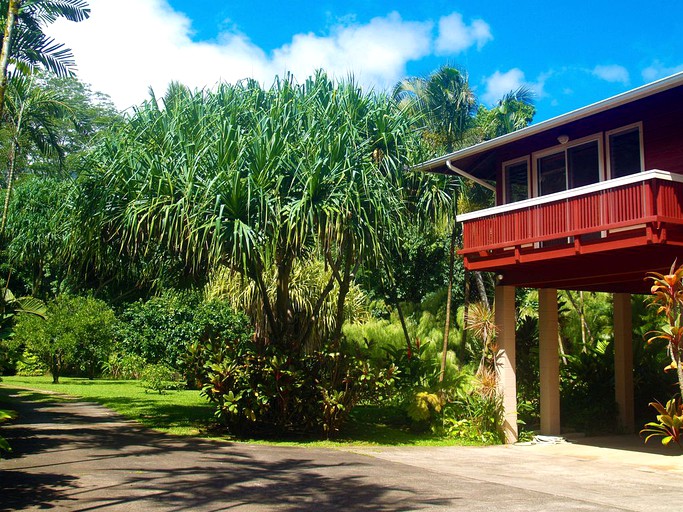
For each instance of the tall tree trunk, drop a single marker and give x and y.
(397, 305)
(466, 308)
(447, 327)
(479, 280)
(12, 158)
(10, 178)
(586, 334)
(12, 13)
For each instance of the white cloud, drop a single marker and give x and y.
(499, 84)
(455, 36)
(123, 55)
(612, 73)
(376, 52)
(658, 70)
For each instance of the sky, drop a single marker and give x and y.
(571, 54)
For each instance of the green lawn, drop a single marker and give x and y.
(186, 413)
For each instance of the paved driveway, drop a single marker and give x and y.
(79, 456)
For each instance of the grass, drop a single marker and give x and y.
(186, 413)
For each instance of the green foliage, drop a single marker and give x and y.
(29, 365)
(669, 424)
(423, 406)
(161, 328)
(78, 333)
(475, 417)
(124, 366)
(4, 416)
(160, 378)
(177, 329)
(260, 389)
(35, 231)
(587, 389)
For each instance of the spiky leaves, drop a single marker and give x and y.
(255, 180)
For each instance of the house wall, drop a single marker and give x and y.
(662, 133)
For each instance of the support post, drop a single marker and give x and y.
(505, 359)
(623, 361)
(549, 361)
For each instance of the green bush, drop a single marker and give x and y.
(160, 378)
(261, 389)
(30, 365)
(160, 329)
(124, 366)
(76, 336)
(179, 330)
(476, 417)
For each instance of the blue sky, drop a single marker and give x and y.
(570, 53)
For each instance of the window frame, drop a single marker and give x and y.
(623, 129)
(526, 159)
(562, 148)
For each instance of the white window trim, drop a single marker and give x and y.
(526, 159)
(617, 131)
(563, 148)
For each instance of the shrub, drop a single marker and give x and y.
(160, 329)
(160, 378)
(78, 333)
(179, 330)
(124, 366)
(259, 388)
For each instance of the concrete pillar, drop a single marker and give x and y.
(549, 361)
(623, 361)
(505, 360)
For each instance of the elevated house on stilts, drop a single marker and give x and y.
(591, 200)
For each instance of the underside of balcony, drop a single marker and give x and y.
(603, 237)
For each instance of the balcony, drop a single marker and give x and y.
(624, 214)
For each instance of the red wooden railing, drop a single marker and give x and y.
(634, 200)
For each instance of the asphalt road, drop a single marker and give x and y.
(80, 456)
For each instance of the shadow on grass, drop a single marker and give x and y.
(74, 455)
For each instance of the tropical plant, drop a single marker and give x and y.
(513, 112)
(667, 290)
(259, 181)
(669, 424)
(36, 236)
(443, 103)
(26, 46)
(160, 378)
(76, 333)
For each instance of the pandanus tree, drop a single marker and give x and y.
(258, 181)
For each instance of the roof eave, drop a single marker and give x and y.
(615, 101)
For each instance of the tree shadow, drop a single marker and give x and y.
(81, 456)
(22, 489)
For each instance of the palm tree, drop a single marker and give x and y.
(25, 45)
(31, 117)
(445, 105)
(444, 102)
(513, 111)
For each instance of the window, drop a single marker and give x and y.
(570, 167)
(516, 176)
(584, 164)
(625, 155)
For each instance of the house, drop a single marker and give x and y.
(590, 200)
